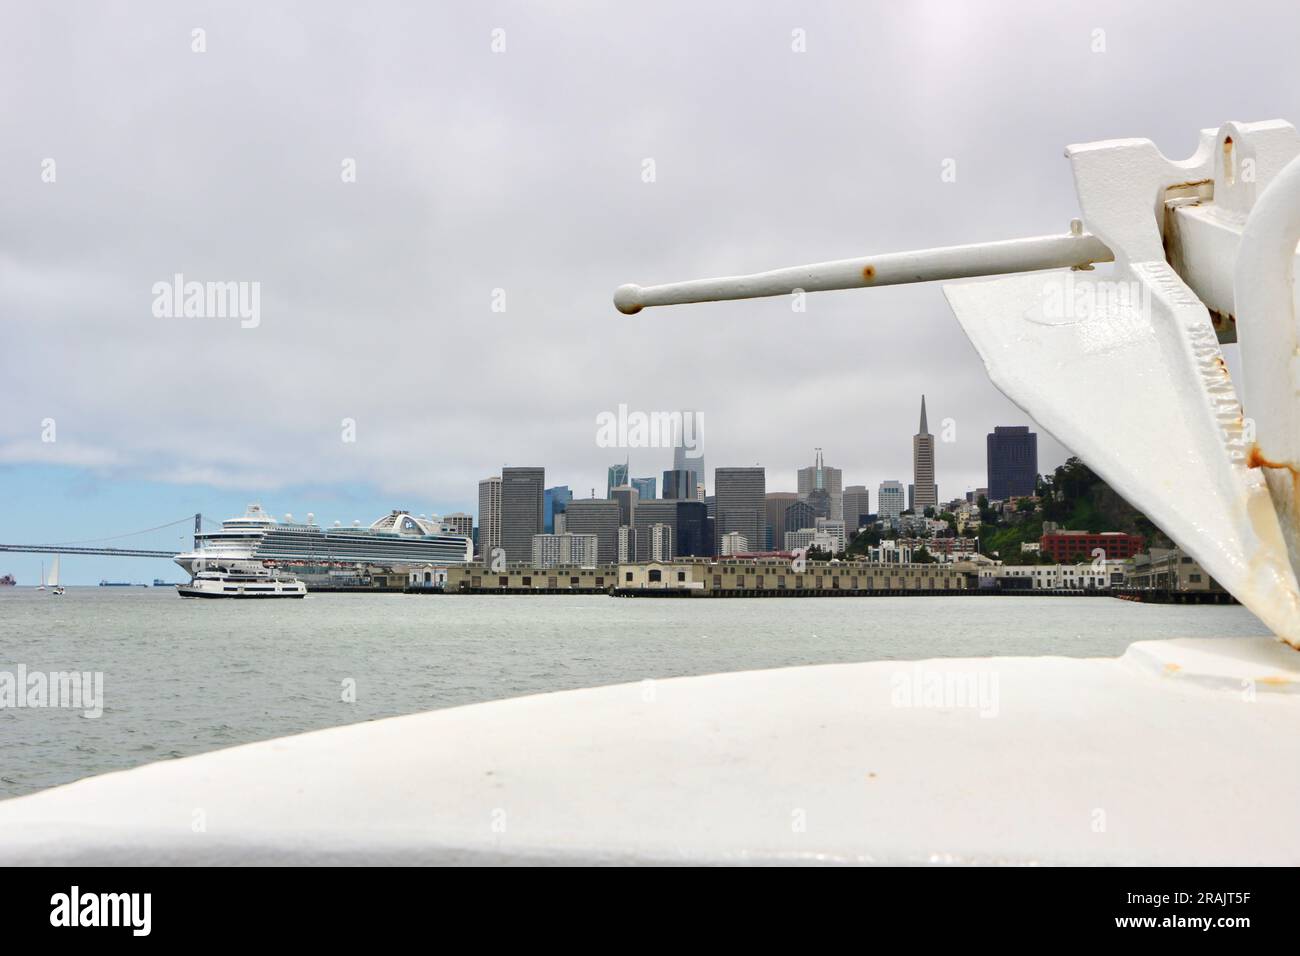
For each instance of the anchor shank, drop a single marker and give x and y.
(895, 268)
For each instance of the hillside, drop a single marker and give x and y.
(1073, 496)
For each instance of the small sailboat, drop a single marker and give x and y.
(55, 588)
(41, 586)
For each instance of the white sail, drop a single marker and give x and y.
(54, 573)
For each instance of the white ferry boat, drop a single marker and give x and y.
(242, 584)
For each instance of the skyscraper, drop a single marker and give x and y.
(522, 507)
(554, 503)
(777, 502)
(889, 501)
(691, 535)
(688, 449)
(685, 520)
(627, 499)
(739, 494)
(617, 477)
(927, 492)
(489, 516)
(1012, 462)
(626, 543)
(857, 505)
(460, 523)
(679, 485)
(645, 488)
(598, 516)
(821, 477)
(798, 516)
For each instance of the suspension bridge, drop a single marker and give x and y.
(98, 545)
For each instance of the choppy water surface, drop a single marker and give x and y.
(184, 677)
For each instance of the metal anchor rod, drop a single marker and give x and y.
(1075, 249)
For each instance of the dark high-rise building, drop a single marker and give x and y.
(679, 484)
(688, 450)
(645, 488)
(627, 499)
(598, 516)
(820, 499)
(739, 495)
(687, 519)
(777, 502)
(692, 537)
(522, 510)
(798, 516)
(554, 504)
(1012, 462)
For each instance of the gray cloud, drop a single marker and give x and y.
(522, 171)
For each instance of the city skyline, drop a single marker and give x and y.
(364, 504)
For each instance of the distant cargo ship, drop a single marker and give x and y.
(118, 584)
(160, 583)
(8, 581)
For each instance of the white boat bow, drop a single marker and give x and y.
(1133, 760)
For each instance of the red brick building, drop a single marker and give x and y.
(1065, 547)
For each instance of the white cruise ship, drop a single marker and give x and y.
(256, 539)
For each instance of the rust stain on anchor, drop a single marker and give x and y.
(1255, 459)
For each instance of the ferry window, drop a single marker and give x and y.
(573, 581)
(503, 580)
(681, 575)
(527, 581)
(656, 575)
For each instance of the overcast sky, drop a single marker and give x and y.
(523, 169)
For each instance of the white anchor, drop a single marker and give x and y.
(1204, 251)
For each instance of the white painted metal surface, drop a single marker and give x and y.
(1171, 754)
(1265, 291)
(1187, 454)
(896, 268)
